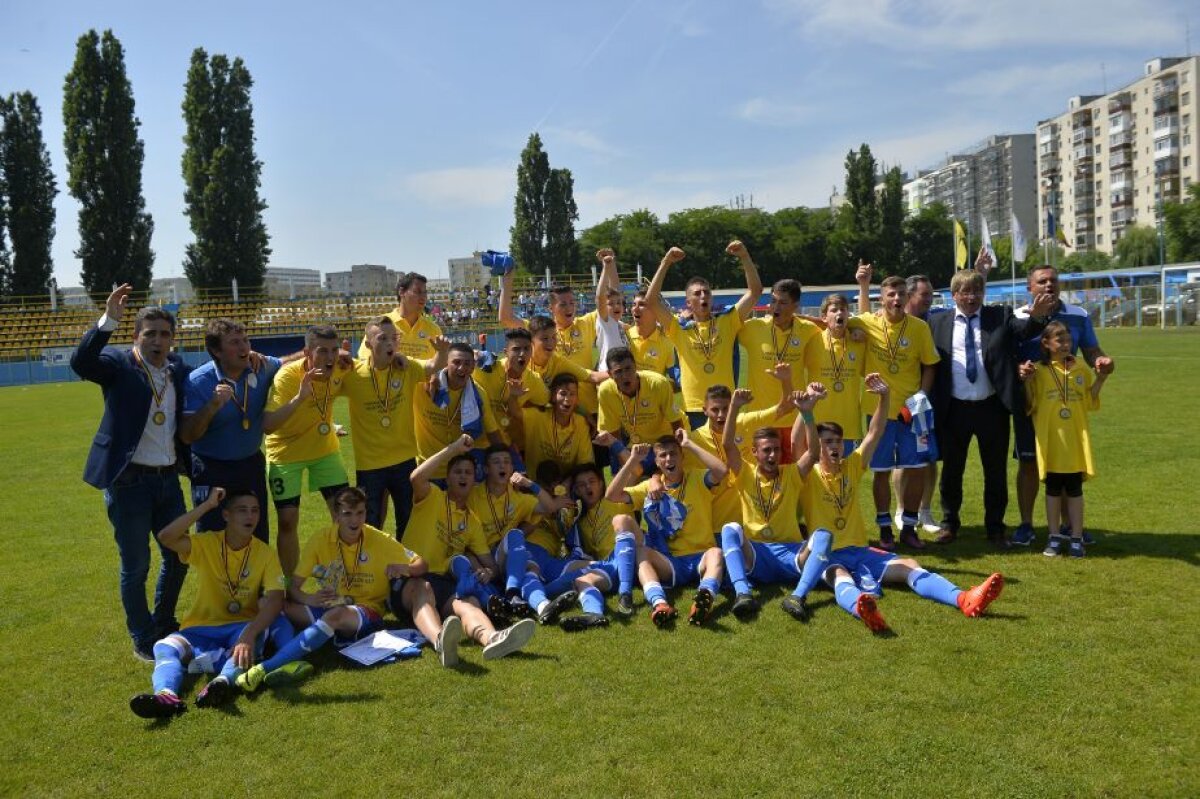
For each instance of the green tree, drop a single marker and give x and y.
(640, 242)
(1137, 247)
(861, 213)
(928, 242)
(222, 177)
(891, 219)
(561, 250)
(1090, 261)
(29, 196)
(104, 168)
(528, 232)
(1182, 227)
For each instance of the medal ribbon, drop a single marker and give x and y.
(1061, 385)
(158, 393)
(833, 361)
(842, 498)
(767, 506)
(629, 410)
(560, 446)
(893, 350)
(706, 347)
(322, 409)
(780, 356)
(502, 517)
(347, 575)
(384, 399)
(231, 585)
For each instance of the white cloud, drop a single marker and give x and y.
(763, 111)
(581, 138)
(939, 25)
(463, 187)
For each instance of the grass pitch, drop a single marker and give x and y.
(1081, 681)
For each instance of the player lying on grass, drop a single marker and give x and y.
(855, 571)
(677, 507)
(353, 564)
(227, 623)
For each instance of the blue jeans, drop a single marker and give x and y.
(394, 481)
(141, 503)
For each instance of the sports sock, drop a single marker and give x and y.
(932, 585)
(591, 600)
(467, 584)
(534, 591)
(517, 559)
(710, 584)
(819, 544)
(308, 641)
(625, 555)
(564, 582)
(735, 561)
(168, 668)
(884, 520)
(654, 593)
(847, 594)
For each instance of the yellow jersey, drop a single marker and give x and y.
(499, 514)
(415, 340)
(695, 531)
(652, 353)
(495, 383)
(438, 530)
(771, 507)
(363, 564)
(436, 427)
(1064, 445)
(705, 352)
(577, 344)
(727, 502)
(381, 412)
(308, 433)
(596, 533)
(229, 575)
(830, 502)
(546, 440)
(838, 364)
(644, 417)
(766, 345)
(897, 352)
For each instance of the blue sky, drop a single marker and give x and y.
(390, 132)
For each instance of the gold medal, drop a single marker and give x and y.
(839, 523)
(234, 607)
(395, 383)
(893, 367)
(323, 428)
(1064, 413)
(385, 421)
(838, 385)
(635, 439)
(767, 532)
(245, 424)
(159, 418)
(710, 367)
(504, 421)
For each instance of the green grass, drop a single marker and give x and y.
(1081, 682)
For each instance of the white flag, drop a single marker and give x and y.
(1018, 240)
(987, 242)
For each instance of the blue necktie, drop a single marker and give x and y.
(972, 362)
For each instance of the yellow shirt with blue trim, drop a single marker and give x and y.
(905, 346)
(436, 427)
(376, 394)
(696, 532)
(705, 355)
(766, 345)
(495, 383)
(596, 533)
(771, 506)
(838, 361)
(415, 340)
(300, 437)
(727, 503)
(652, 353)
(251, 570)
(362, 565)
(438, 530)
(644, 417)
(499, 514)
(829, 498)
(546, 440)
(1063, 445)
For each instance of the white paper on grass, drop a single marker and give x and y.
(376, 647)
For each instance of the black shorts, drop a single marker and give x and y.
(1064, 483)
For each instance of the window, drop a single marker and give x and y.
(1099, 236)
(1187, 160)
(1185, 98)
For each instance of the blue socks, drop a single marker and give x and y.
(308, 641)
(467, 585)
(517, 559)
(883, 519)
(591, 600)
(735, 561)
(847, 594)
(710, 584)
(625, 555)
(168, 668)
(654, 593)
(819, 544)
(931, 585)
(533, 590)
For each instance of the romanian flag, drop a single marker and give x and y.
(961, 252)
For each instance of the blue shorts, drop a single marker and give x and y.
(609, 569)
(900, 448)
(849, 445)
(368, 622)
(865, 564)
(549, 566)
(775, 563)
(212, 644)
(685, 569)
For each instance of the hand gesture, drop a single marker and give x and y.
(638, 452)
(862, 275)
(817, 390)
(440, 343)
(394, 571)
(655, 489)
(781, 371)
(737, 249)
(222, 394)
(875, 384)
(243, 653)
(462, 445)
(344, 359)
(674, 256)
(306, 384)
(1043, 305)
(604, 439)
(114, 306)
(1025, 371)
(983, 262)
(215, 496)
(257, 361)
(741, 396)
(520, 481)
(605, 256)
(681, 436)
(327, 596)
(1105, 365)
(516, 388)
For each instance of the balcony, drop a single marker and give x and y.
(1166, 103)
(1123, 138)
(1167, 165)
(1166, 148)
(1120, 159)
(1120, 179)
(1082, 135)
(1084, 222)
(1049, 164)
(1165, 126)
(1121, 217)
(1166, 86)
(1047, 134)
(1084, 152)
(1084, 187)
(1120, 199)
(1119, 103)
(1084, 205)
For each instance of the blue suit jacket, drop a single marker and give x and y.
(127, 398)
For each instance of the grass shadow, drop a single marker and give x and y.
(1112, 544)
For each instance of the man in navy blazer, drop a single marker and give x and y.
(974, 394)
(135, 456)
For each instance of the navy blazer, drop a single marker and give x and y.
(127, 398)
(1000, 332)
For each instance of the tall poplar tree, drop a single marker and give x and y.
(561, 251)
(28, 197)
(222, 177)
(529, 208)
(104, 168)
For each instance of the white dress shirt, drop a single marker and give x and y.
(964, 389)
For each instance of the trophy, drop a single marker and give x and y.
(331, 577)
(500, 263)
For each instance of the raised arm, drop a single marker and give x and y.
(754, 286)
(608, 280)
(505, 310)
(805, 422)
(437, 363)
(175, 535)
(422, 476)
(875, 385)
(195, 425)
(273, 420)
(715, 466)
(862, 276)
(628, 473)
(733, 455)
(88, 360)
(654, 290)
(783, 373)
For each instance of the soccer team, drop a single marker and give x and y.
(495, 465)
